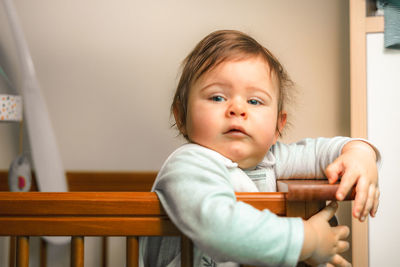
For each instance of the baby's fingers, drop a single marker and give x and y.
(370, 202)
(339, 261)
(346, 184)
(342, 246)
(341, 231)
(334, 171)
(328, 212)
(361, 198)
(376, 203)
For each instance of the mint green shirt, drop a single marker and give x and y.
(197, 186)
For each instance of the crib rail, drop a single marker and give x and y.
(88, 214)
(79, 214)
(130, 214)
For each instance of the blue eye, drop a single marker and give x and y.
(254, 102)
(217, 98)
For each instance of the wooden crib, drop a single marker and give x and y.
(127, 209)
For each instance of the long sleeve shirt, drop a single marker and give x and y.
(197, 186)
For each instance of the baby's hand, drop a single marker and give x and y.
(323, 243)
(357, 166)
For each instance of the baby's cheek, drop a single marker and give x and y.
(201, 129)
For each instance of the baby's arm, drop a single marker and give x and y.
(353, 159)
(323, 243)
(357, 166)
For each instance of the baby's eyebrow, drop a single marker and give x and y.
(207, 86)
(260, 90)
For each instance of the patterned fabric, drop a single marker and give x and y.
(10, 108)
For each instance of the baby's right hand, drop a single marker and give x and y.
(323, 243)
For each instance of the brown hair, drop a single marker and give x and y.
(217, 47)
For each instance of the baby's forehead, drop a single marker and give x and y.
(210, 67)
(214, 71)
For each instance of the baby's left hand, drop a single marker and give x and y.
(357, 165)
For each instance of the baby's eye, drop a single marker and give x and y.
(254, 102)
(217, 98)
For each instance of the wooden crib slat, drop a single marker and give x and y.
(22, 251)
(132, 251)
(104, 251)
(43, 253)
(77, 251)
(12, 252)
(186, 252)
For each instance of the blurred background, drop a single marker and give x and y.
(108, 71)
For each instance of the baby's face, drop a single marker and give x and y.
(233, 109)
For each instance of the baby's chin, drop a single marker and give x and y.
(243, 160)
(248, 163)
(246, 157)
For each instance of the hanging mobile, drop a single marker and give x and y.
(20, 173)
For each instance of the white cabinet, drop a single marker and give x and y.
(383, 129)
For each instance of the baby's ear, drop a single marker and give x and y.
(280, 124)
(282, 119)
(179, 119)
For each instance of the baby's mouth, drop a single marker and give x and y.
(236, 131)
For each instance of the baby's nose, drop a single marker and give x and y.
(234, 113)
(237, 109)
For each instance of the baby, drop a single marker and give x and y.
(230, 106)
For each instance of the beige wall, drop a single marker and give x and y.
(108, 70)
